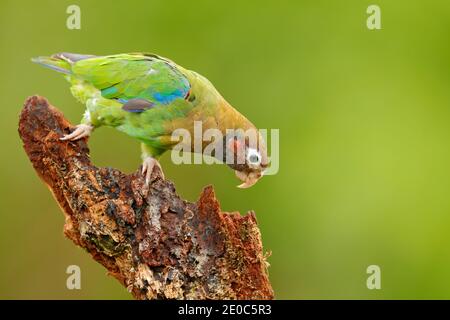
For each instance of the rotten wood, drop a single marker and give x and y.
(156, 244)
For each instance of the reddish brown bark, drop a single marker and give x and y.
(156, 244)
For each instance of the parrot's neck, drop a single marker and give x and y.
(229, 118)
(212, 111)
(213, 105)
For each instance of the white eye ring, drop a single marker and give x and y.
(253, 157)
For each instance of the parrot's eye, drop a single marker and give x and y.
(253, 157)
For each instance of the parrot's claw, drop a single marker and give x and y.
(81, 131)
(148, 165)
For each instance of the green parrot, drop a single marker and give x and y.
(148, 97)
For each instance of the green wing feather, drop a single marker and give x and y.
(130, 76)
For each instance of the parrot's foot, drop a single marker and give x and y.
(81, 131)
(148, 165)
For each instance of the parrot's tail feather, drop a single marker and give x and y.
(72, 57)
(54, 63)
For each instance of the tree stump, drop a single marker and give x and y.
(156, 244)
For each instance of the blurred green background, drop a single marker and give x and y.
(364, 123)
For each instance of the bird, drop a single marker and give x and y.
(148, 97)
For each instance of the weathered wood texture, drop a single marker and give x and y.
(156, 244)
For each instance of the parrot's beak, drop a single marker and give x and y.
(249, 179)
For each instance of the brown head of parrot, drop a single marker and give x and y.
(249, 159)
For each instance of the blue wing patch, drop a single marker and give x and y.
(168, 98)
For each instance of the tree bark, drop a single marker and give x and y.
(156, 244)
